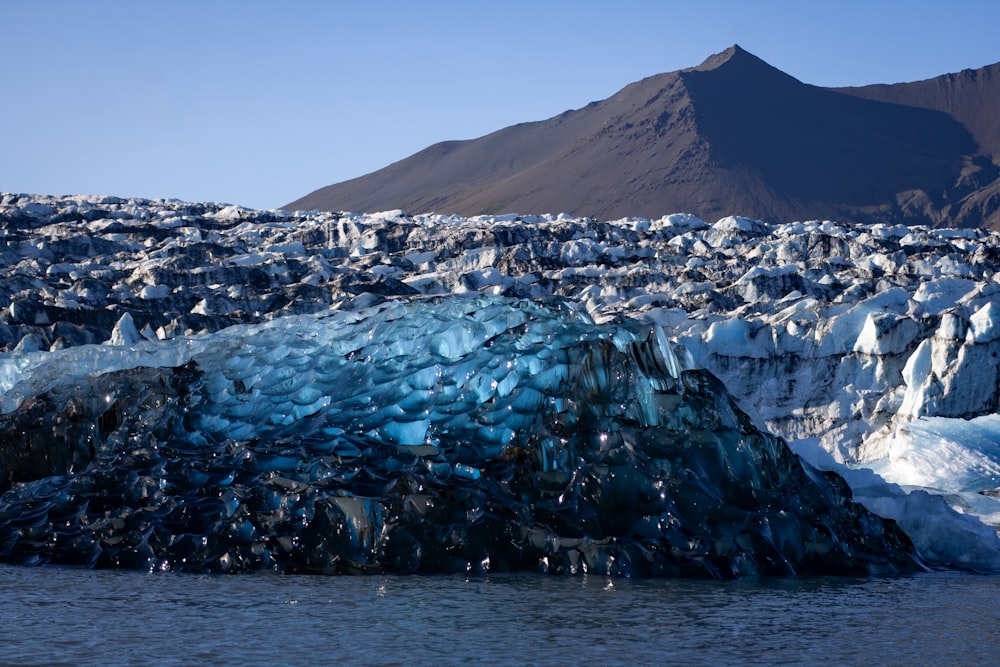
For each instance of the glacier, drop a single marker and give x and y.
(869, 349)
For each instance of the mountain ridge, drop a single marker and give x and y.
(731, 135)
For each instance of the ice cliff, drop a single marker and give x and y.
(876, 343)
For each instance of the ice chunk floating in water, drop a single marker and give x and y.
(455, 434)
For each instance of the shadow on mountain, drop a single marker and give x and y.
(817, 144)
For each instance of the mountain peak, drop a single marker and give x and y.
(737, 66)
(734, 54)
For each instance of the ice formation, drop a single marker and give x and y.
(453, 434)
(874, 344)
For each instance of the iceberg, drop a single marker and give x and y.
(465, 433)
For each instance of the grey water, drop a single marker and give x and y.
(65, 616)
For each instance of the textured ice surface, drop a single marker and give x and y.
(464, 434)
(846, 335)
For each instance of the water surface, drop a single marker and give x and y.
(70, 616)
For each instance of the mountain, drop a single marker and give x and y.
(972, 97)
(733, 134)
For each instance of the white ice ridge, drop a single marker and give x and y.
(825, 330)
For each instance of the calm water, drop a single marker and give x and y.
(65, 616)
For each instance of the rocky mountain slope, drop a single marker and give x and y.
(731, 135)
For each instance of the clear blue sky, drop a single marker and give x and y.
(259, 102)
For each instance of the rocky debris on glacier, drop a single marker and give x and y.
(464, 434)
(825, 332)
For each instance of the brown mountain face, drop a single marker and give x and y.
(971, 97)
(733, 135)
